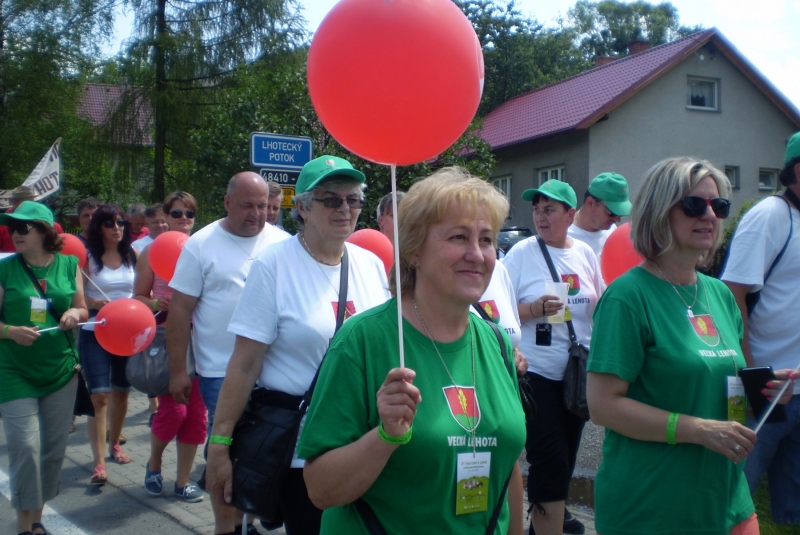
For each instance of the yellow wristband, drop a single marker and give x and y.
(389, 439)
(672, 427)
(218, 439)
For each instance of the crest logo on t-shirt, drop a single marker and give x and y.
(705, 329)
(43, 284)
(349, 309)
(490, 307)
(463, 403)
(574, 283)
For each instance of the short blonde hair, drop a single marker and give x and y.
(665, 185)
(427, 202)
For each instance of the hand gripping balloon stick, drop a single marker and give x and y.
(101, 322)
(397, 270)
(775, 402)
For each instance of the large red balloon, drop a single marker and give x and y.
(395, 81)
(377, 243)
(129, 327)
(164, 253)
(618, 254)
(73, 246)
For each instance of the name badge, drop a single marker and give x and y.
(472, 480)
(38, 310)
(737, 408)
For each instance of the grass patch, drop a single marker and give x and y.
(765, 523)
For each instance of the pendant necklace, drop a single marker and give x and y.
(48, 265)
(674, 287)
(318, 262)
(473, 422)
(256, 248)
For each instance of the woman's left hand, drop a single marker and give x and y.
(69, 319)
(774, 386)
(520, 362)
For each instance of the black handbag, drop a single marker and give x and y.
(265, 437)
(575, 374)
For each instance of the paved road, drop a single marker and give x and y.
(124, 507)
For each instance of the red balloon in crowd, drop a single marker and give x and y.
(129, 327)
(73, 246)
(396, 82)
(618, 254)
(375, 242)
(164, 252)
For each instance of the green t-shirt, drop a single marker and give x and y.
(416, 491)
(643, 334)
(48, 364)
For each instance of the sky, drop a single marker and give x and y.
(767, 33)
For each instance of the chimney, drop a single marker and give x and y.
(638, 46)
(599, 61)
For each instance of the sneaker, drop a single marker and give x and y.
(153, 481)
(190, 493)
(572, 525)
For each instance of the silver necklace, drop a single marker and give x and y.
(674, 287)
(249, 254)
(303, 237)
(474, 423)
(317, 263)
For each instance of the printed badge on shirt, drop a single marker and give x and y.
(490, 307)
(349, 309)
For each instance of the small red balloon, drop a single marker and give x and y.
(73, 246)
(375, 242)
(164, 252)
(128, 329)
(618, 254)
(396, 82)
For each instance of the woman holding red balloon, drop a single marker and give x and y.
(37, 369)
(110, 276)
(187, 423)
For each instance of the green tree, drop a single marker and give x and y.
(608, 27)
(183, 51)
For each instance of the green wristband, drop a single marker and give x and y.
(389, 439)
(155, 305)
(672, 427)
(217, 439)
(5, 330)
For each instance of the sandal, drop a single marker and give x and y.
(118, 455)
(37, 525)
(99, 477)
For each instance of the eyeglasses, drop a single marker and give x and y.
(336, 202)
(609, 212)
(177, 214)
(696, 206)
(110, 224)
(20, 228)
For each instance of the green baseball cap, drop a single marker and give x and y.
(28, 211)
(323, 168)
(553, 189)
(612, 189)
(792, 148)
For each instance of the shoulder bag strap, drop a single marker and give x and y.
(343, 277)
(791, 196)
(490, 529)
(556, 278)
(499, 336)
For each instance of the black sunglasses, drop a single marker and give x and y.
(696, 206)
(20, 228)
(110, 224)
(176, 214)
(336, 202)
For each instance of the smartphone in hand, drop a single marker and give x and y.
(755, 380)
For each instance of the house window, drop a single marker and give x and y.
(732, 172)
(503, 184)
(551, 173)
(702, 94)
(767, 179)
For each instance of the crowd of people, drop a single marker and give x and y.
(424, 434)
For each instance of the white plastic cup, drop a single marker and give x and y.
(559, 289)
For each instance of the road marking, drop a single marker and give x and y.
(54, 522)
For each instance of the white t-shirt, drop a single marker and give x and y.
(596, 240)
(290, 302)
(141, 243)
(115, 283)
(759, 238)
(213, 267)
(500, 303)
(528, 271)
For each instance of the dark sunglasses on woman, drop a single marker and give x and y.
(20, 228)
(176, 214)
(336, 202)
(110, 224)
(696, 206)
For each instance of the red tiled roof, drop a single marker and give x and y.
(580, 101)
(100, 101)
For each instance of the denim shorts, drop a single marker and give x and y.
(209, 389)
(102, 370)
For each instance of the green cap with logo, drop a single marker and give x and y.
(553, 189)
(612, 189)
(28, 211)
(792, 149)
(323, 168)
